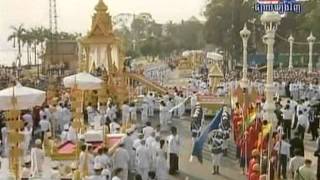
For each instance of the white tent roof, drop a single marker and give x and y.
(24, 97)
(83, 81)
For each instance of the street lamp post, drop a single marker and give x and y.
(270, 20)
(245, 34)
(291, 40)
(310, 40)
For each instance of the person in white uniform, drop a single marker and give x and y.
(148, 130)
(161, 166)
(66, 115)
(133, 113)
(125, 109)
(91, 113)
(151, 101)
(174, 144)
(64, 134)
(59, 114)
(144, 112)
(143, 160)
(27, 133)
(181, 108)
(163, 116)
(37, 158)
(121, 160)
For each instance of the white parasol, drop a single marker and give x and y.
(19, 97)
(214, 56)
(83, 81)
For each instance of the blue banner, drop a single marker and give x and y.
(200, 141)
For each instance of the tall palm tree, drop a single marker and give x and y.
(16, 37)
(35, 41)
(27, 40)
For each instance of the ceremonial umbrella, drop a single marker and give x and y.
(19, 97)
(83, 81)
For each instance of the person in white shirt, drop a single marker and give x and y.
(287, 115)
(125, 109)
(103, 159)
(64, 134)
(174, 144)
(148, 130)
(4, 132)
(161, 166)
(59, 117)
(121, 160)
(44, 125)
(154, 148)
(144, 112)
(182, 107)
(66, 115)
(163, 116)
(150, 139)
(133, 113)
(143, 160)
(283, 148)
(295, 162)
(151, 101)
(176, 100)
(47, 112)
(137, 142)
(91, 114)
(86, 160)
(302, 124)
(37, 158)
(27, 133)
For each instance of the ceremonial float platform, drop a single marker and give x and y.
(68, 150)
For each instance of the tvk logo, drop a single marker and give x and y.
(280, 6)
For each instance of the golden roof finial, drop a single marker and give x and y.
(101, 6)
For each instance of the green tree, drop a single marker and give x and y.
(17, 36)
(27, 40)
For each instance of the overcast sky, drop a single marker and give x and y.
(75, 15)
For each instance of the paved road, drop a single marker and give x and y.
(194, 170)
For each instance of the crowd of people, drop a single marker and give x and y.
(279, 151)
(142, 154)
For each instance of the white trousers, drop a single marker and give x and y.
(216, 159)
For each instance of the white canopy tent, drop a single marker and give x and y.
(214, 56)
(83, 81)
(19, 97)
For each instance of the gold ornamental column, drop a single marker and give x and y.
(14, 125)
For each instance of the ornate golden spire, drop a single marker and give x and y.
(101, 6)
